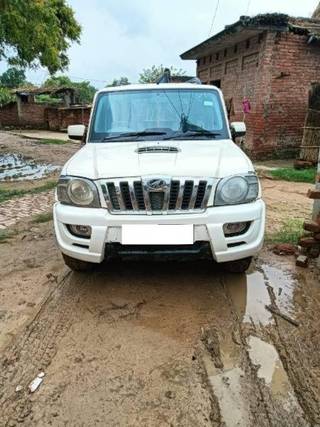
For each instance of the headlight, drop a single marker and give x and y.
(78, 192)
(237, 190)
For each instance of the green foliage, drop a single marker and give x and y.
(43, 217)
(37, 32)
(84, 90)
(47, 99)
(12, 78)
(150, 75)
(52, 141)
(290, 232)
(295, 175)
(5, 96)
(5, 235)
(6, 194)
(122, 81)
(57, 81)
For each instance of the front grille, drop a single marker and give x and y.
(174, 195)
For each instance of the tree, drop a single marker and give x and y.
(34, 33)
(5, 96)
(122, 81)
(13, 78)
(151, 75)
(84, 90)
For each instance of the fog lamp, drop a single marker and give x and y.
(235, 228)
(80, 230)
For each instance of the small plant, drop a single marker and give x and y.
(295, 175)
(290, 232)
(52, 141)
(4, 235)
(9, 194)
(43, 217)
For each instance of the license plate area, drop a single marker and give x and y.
(156, 234)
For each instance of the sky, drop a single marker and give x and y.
(121, 37)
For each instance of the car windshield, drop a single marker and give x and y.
(158, 114)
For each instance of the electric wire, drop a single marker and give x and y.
(214, 17)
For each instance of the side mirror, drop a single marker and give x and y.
(76, 132)
(238, 129)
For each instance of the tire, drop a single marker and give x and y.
(238, 266)
(77, 264)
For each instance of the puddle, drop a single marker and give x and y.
(15, 167)
(265, 356)
(227, 389)
(283, 286)
(270, 369)
(250, 296)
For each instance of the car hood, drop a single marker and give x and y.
(202, 158)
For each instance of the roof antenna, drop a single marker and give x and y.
(165, 78)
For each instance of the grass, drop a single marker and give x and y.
(290, 232)
(43, 217)
(5, 235)
(294, 175)
(52, 141)
(9, 194)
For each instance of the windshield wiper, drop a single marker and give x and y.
(133, 134)
(193, 133)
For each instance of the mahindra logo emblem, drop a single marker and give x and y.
(156, 184)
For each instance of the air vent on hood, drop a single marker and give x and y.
(157, 149)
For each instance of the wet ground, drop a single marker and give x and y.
(15, 167)
(155, 344)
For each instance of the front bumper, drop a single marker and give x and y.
(208, 227)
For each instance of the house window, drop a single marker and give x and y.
(248, 44)
(217, 56)
(225, 52)
(235, 49)
(210, 58)
(204, 61)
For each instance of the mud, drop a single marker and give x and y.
(157, 344)
(138, 344)
(33, 149)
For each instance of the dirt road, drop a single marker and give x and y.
(155, 344)
(158, 344)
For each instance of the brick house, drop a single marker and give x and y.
(269, 60)
(25, 111)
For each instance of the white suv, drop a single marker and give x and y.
(159, 174)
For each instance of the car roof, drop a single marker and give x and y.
(149, 86)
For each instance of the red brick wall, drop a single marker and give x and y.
(295, 65)
(32, 115)
(61, 118)
(274, 72)
(9, 115)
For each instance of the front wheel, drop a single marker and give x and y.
(77, 264)
(237, 266)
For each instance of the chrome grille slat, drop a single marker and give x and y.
(180, 194)
(175, 195)
(119, 195)
(194, 194)
(133, 195)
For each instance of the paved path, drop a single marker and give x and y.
(18, 208)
